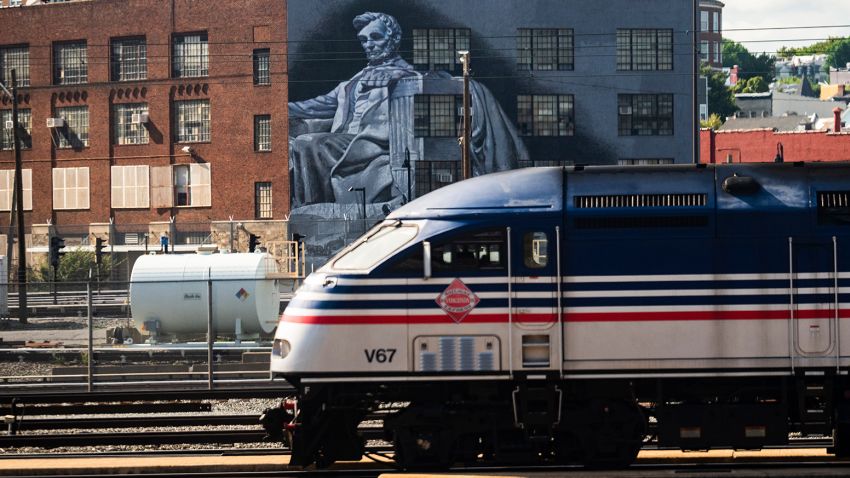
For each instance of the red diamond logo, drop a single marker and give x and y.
(457, 300)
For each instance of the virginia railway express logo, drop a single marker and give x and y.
(457, 300)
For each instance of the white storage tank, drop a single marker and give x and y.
(172, 289)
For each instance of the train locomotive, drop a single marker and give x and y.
(572, 315)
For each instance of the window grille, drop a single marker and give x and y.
(75, 133)
(833, 207)
(436, 48)
(545, 49)
(611, 201)
(262, 133)
(263, 200)
(193, 121)
(432, 175)
(70, 63)
(546, 115)
(437, 115)
(129, 59)
(644, 49)
(643, 161)
(645, 115)
(262, 64)
(15, 58)
(190, 56)
(125, 130)
(7, 139)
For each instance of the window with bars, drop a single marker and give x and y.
(7, 187)
(644, 49)
(7, 139)
(70, 63)
(15, 58)
(645, 115)
(436, 48)
(70, 188)
(437, 115)
(263, 200)
(130, 187)
(546, 115)
(192, 120)
(262, 64)
(545, 49)
(262, 133)
(129, 59)
(75, 133)
(127, 124)
(190, 56)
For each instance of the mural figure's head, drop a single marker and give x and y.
(380, 35)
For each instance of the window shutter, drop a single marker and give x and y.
(27, 182)
(199, 175)
(6, 190)
(142, 189)
(117, 187)
(58, 188)
(82, 188)
(162, 187)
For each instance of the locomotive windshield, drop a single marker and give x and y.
(375, 246)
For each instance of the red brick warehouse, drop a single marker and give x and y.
(169, 116)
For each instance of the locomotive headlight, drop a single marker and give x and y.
(281, 348)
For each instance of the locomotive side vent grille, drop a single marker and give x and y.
(456, 353)
(610, 201)
(833, 207)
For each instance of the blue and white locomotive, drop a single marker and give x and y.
(548, 313)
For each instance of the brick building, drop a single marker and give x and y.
(711, 32)
(762, 145)
(147, 117)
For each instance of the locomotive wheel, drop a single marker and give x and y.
(614, 434)
(422, 448)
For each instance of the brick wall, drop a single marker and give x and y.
(752, 146)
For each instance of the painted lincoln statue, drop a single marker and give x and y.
(340, 140)
(354, 149)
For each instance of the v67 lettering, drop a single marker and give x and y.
(379, 355)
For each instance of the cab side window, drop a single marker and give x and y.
(482, 250)
(535, 250)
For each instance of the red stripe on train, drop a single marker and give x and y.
(568, 317)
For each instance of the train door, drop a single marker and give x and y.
(814, 299)
(534, 281)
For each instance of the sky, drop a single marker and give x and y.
(761, 14)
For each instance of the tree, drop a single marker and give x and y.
(74, 266)
(755, 84)
(749, 65)
(714, 122)
(721, 100)
(839, 54)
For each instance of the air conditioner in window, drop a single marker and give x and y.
(10, 124)
(625, 110)
(55, 122)
(139, 118)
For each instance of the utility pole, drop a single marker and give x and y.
(466, 168)
(19, 203)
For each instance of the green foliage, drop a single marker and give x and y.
(755, 84)
(714, 122)
(825, 46)
(749, 65)
(721, 100)
(74, 266)
(839, 55)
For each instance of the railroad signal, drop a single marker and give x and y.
(253, 242)
(99, 245)
(56, 245)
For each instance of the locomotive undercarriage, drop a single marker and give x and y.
(598, 423)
